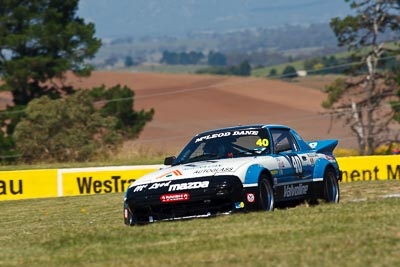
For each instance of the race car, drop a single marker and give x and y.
(240, 168)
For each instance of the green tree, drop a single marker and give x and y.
(66, 129)
(39, 41)
(118, 102)
(216, 59)
(273, 72)
(289, 72)
(310, 63)
(129, 61)
(195, 57)
(363, 97)
(245, 68)
(171, 58)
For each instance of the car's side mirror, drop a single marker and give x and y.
(169, 160)
(280, 147)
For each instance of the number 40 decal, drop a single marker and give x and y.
(298, 167)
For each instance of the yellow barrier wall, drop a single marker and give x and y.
(365, 168)
(28, 184)
(100, 180)
(82, 181)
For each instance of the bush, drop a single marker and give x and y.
(67, 129)
(273, 72)
(289, 72)
(118, 102)
(335, 90)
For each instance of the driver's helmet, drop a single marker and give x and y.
(211, 148)
(215, 148)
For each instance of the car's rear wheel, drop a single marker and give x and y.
(266, 200)
(331, 187)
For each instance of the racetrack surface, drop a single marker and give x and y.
(186, 104)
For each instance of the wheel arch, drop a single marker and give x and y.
(254, 173)
(321, 165)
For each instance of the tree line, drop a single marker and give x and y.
(216, 60)
(193, 58)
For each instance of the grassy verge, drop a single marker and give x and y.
(363, 230)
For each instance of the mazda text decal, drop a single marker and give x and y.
(173, 187)
(185, 186)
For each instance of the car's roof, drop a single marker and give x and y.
(242, 127)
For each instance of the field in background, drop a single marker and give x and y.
(362, 230)
(186, 104)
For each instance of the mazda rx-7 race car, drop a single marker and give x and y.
(242, 168)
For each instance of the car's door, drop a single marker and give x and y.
(298, 171)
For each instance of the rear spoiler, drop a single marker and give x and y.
(323, 146)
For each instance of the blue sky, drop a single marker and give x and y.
(138, 18)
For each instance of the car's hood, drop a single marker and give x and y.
(230, 166)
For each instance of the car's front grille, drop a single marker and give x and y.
(219, 197)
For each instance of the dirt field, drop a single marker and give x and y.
(187, 104)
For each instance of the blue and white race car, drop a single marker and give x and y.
(242, 168)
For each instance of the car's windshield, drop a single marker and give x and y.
(226, 144)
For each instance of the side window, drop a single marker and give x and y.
(295, 146)
(283, 141)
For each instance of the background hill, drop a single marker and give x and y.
(187, 104)
(137, 18)
(263, 32)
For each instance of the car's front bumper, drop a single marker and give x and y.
(185, 198)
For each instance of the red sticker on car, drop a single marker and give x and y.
(250, 197)
(174, 197)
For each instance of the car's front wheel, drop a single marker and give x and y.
(129, 217)
(266, 200)
(331, 187)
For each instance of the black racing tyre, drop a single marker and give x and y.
(129, 217)
(132, 219)
(331, 187)
(266, 200)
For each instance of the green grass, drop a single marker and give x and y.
(362, 230)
